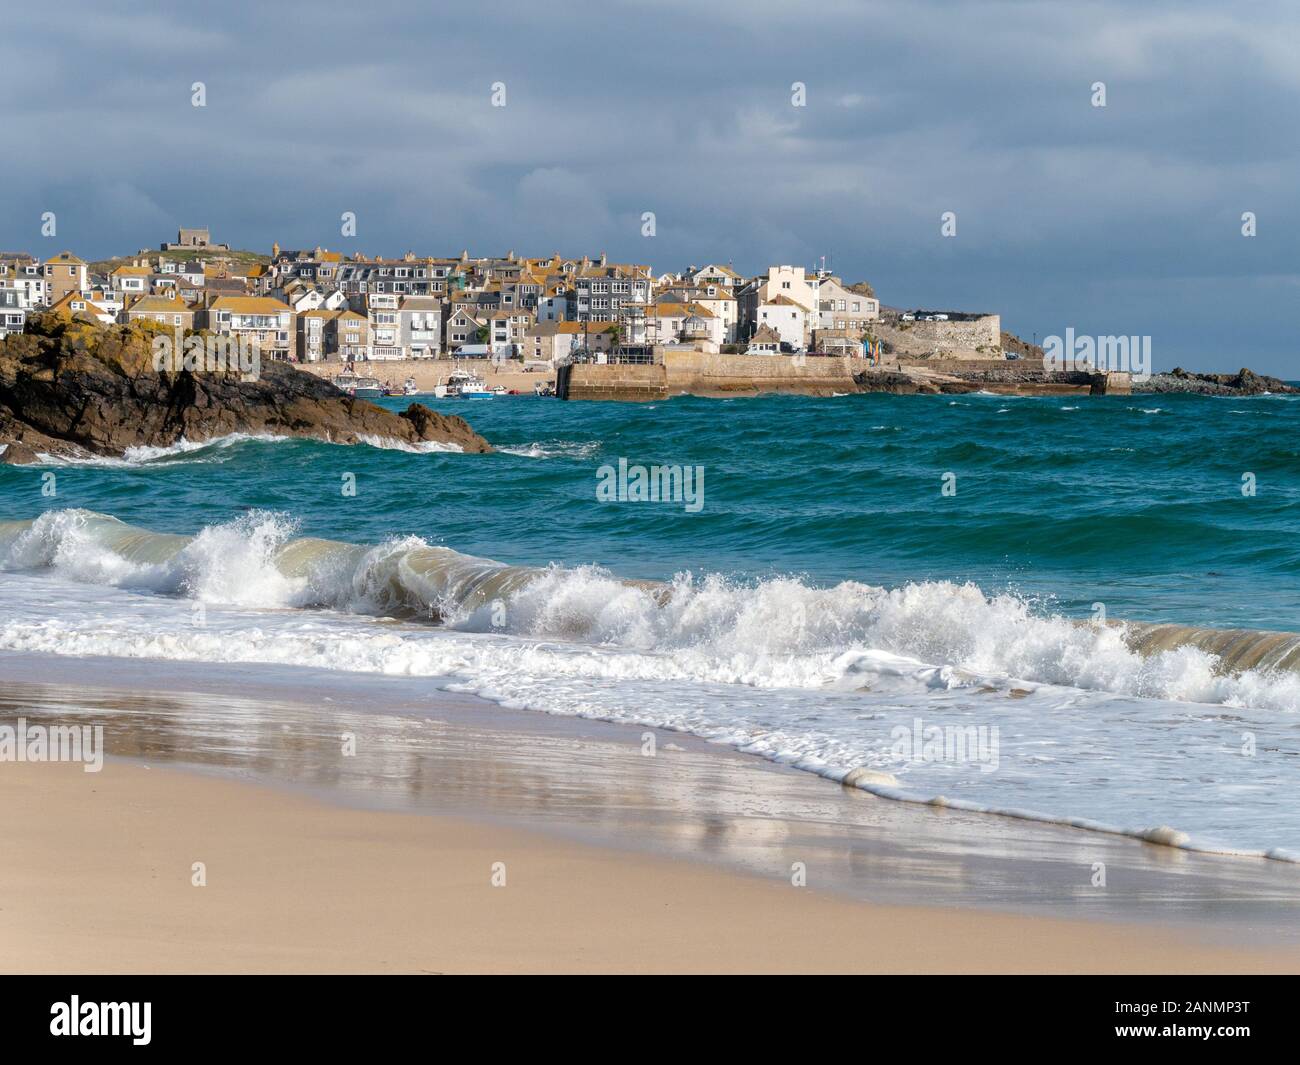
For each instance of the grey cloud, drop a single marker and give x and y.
(1118, 220)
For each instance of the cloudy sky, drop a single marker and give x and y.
(1123, 219)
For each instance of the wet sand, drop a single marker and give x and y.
(614, 860)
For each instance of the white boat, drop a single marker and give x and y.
(461, 384)
(357, 386)
(408, 389)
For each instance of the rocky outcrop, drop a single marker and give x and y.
(72, 388)
(899, 384)
(1242, 383)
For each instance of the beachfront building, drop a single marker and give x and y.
(840, 308)
(543, 342)
(588, 339)
(420, 322)
(783, 299)
(788, 318)
(311, 334)
(254, 319)
(383, 314)
(333, 333)
(683, 323)
(464, 328)
(845, 342)
(718, 300)
(765, 341)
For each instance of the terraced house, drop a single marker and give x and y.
(333, 334)
(256, 319)
(600, 290)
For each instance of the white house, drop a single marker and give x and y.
(784, 300)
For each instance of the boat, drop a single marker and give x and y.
(358, 387)
(461, 384)
(408, 388)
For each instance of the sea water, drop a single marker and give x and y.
(934, 597)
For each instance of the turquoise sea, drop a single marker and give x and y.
(860, 567)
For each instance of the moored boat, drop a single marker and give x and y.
(358, 387)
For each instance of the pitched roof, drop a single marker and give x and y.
(683, 309)
(157, 305)
(249, 305)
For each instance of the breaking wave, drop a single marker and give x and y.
(213, 450)
(773, 633)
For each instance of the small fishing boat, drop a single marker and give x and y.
(358, 387)
(408, 388)
(461, 384)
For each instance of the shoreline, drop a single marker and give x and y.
(715, 824)
(292, 885)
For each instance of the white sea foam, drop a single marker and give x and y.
(779, 632)
(812, 677)
(211, 450)
(549, 449)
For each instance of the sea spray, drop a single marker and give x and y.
(778, 632)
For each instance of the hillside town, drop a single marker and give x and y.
(315, 305)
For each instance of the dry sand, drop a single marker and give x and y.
(96, 871)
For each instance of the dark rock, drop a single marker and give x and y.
(900, 384)
(71, 388)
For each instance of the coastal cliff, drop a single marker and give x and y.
(74, 389)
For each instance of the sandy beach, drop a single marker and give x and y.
(612, 862)
(429, 372)
(98, 869)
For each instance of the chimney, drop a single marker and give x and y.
(604, 260)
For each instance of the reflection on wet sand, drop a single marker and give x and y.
(423, 750)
